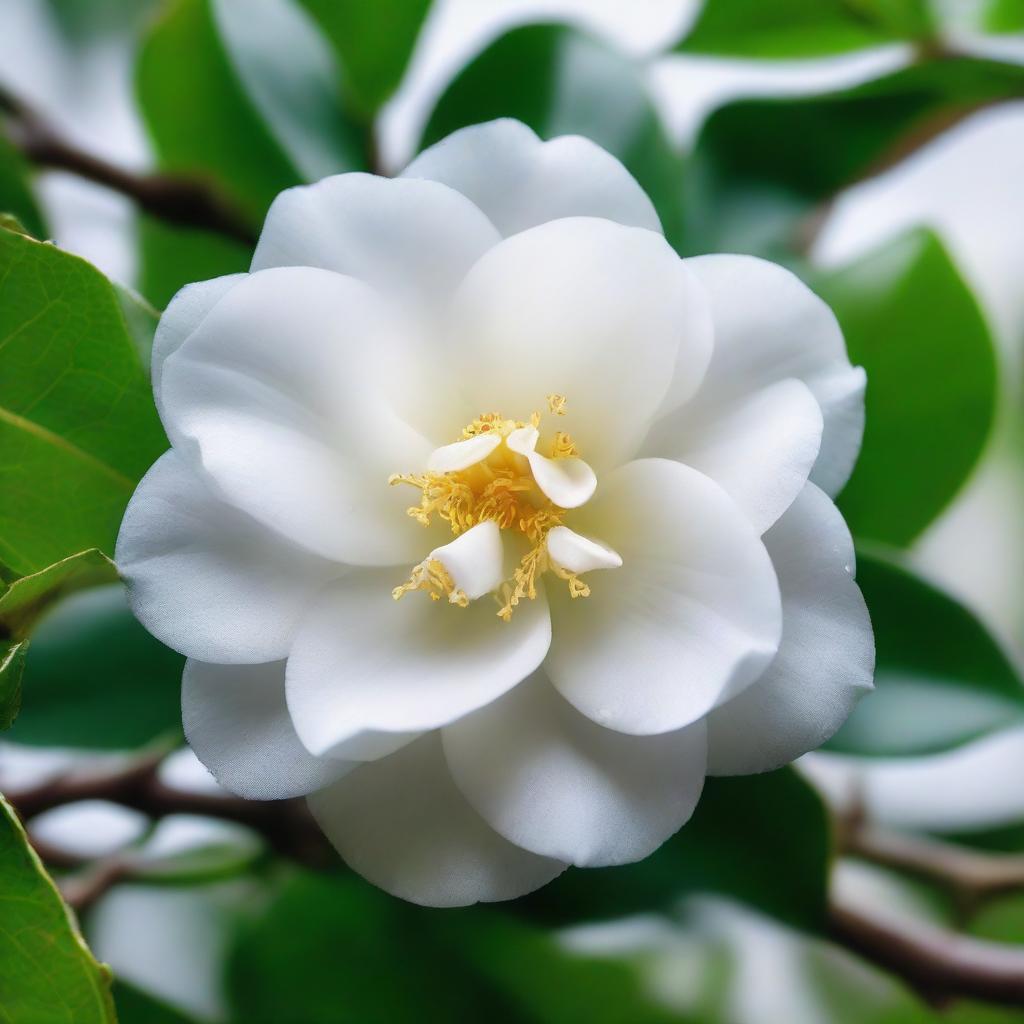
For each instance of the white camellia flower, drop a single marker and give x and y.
(492, 525)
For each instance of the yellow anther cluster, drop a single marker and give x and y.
(501, 489)
(435, 579)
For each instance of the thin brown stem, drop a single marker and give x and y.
(187, 202)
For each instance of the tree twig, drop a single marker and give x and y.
(178, 200)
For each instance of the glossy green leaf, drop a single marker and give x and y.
(260, 85)
(172, 257)
(78, 427)
(373, 42)
(12, 668)
(941, 680)
(16, 195)
(762, 169)
(95, 678)
(561, 82)
(915, 326)
(802, 28)
(326, 948)
(47, 974)
(776, 814)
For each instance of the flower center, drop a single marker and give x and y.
(498, 483)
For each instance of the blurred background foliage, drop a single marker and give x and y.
(876, 147)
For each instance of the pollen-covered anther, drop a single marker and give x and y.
(430, 575)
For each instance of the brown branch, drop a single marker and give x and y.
(973, 874)
(178, 200)
(940, 964)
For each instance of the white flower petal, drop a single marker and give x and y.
(403, 825)
(474, 560)
(520, 181)
(569, 483)
(184, 313)
(770, 326)
(462, 454)
(412, 239)
(760, 447)
(692, 617)
(280, 396)
(523, 440)
(552, 781)
(575, 553)
(826, 659)
(206, 579)
(237, 723)
(583, 308)
(365, 667)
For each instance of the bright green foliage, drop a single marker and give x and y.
(760, 166)
(261, 89)
(47, 975)
(576, 85)
(803, 28)
(95, 678)
(776, 814)
(16, 195)
(911, 321)
(12, 667)
(941, 680)
(1003, 16)
(326, 951)
(373, 42)
(78, 427)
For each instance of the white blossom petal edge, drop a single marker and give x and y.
(491, 525)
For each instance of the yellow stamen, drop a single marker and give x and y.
(434, 578)
(556, 403)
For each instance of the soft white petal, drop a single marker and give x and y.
(206, 579)
(576, 553)
(759, 446)
(184, 313)
(583, 308)
(826, 659)
(280, 396)
(365, 668)
(552, 781)
(523, 440)
(520, 181)
(402, 823)
(692, 617)
(450, 458)
(412, 239)
(569, 482)
(770, 326)
(237, 723)
(474, 560)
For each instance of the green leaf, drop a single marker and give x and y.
(776, 814)
(915, 326)
(47, 974)
(320, 950)
(1003, 16)
(173, 257)
(760, 167)
(1001, 920)
(561, 82)
(12, 668)
(78, 427)
(137, 1007)
(261, 89)
(941, 680)
(373, 43)
(95, 678)
(803, 28)
(16, 195)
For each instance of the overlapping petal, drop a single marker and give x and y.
(826, 658)
(770, 327)
(367, 672)
(280, 396)
(520, 181)
(205, 578)
(402, 823)
(691, 618)
(583, 308)
(552, 781)
(237, 723)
